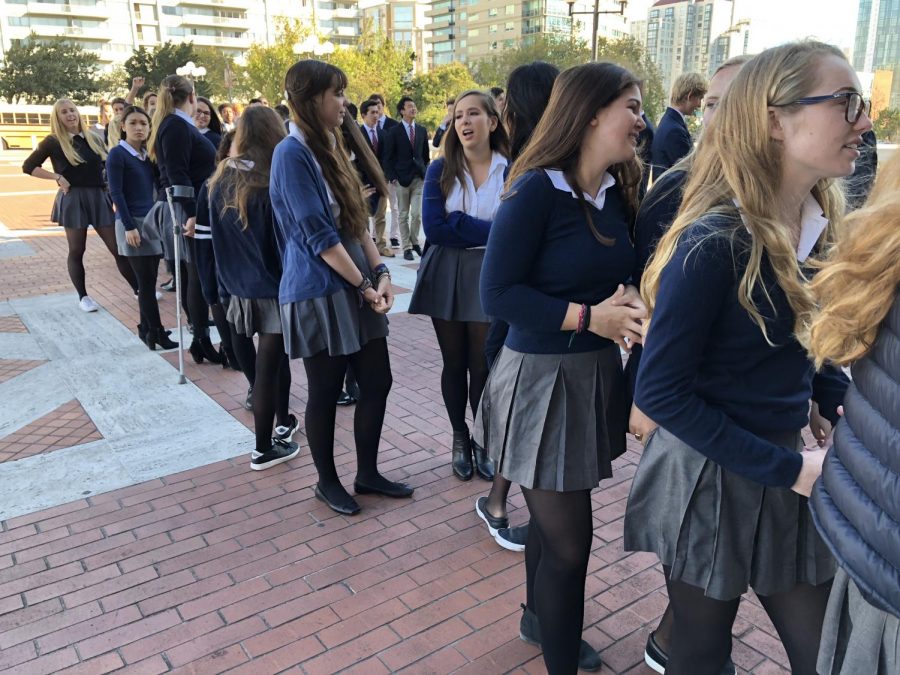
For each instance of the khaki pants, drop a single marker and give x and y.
(380, 210)
(409, 201)
(395, 211)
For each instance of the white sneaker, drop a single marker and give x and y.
(159, 295)
(87, 304)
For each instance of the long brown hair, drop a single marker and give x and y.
(861, 277)
(305, 81)
(174, 90)
(455, 165)
(579, 93)
(739, 160)
(259, 130)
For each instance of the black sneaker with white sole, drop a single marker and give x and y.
(493, 523)
(286, 432)
(657, 659)
(281, 451)
(512, 538)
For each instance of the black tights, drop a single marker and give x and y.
(325, 377)
(465, 366)
(270, 398)
(77, 241)
(145, 268)
(556, 561)
(193, 301)
(701, 629)
(244, 352)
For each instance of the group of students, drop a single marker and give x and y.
(738, 273)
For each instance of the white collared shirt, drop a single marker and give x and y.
(381, 121)
(408, 126)
(560, 183)
(484, 201)
(297, 133)
(183, 115)
(203, 131)
(142, 155)
(812, 224)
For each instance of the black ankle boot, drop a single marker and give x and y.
(462, 455)
(159, 337)
(484, 467)
(209, 352)
(142, 332)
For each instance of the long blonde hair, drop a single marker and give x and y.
(859, 280)
(739, 161)
(65, 140)
(173, 91)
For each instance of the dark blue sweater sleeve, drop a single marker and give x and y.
(511, 252)
(829, 388)
(693, 288)
(175, 139)
(115, 175)
(457, 228)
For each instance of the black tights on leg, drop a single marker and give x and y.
(464, 369)
(77, 241)
(563, 523)
(245, 352)
(273, 376)
(145, 268)
(193, 301)
(108, 235)
(798, 615)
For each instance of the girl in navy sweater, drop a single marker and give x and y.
(558, 259)
(334, 290)
(77, 156)
(248, 266)
(720, 493)
(461, 197)
(133, 190)
(207, 121)
(185, 158)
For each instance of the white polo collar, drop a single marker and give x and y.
(187, 118)
(559, 181)
(142, 155)
(812, 224)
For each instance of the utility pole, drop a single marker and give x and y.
(596, 15)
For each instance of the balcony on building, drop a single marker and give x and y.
(218, 41)
(86, 8)
(195, 18)
(74, 32)
(221, 4)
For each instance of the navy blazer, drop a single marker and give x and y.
(379, 155)
(671, 142)
(403, 162)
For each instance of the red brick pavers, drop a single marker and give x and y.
(223, 569)
(67, 426)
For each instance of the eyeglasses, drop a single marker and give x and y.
(204, 113)
(856, 104)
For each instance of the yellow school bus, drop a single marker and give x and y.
(22, 127)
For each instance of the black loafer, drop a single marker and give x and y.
(530, 632)
(345, 399)
(346, 507)
(395, 490)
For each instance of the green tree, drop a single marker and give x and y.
(268, 64)
(217, 63)
(887, 125)
(157, 63)
(39, 70)
(377, 64)
(432, 89)
(628, 52)
(560, 51)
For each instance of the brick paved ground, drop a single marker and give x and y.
(221, 569)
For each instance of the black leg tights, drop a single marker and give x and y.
(77, 240)
(325, 377)
(218, 314)
(798, 615)
(108, 235)
(270, 398)
(465, 367)
(145, 268)
(245, 352)
(556, 561)
(193, 301)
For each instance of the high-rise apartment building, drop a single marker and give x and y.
(403, 21)
(469, 30)
(691, 36)
(113, 29)
(877, 44)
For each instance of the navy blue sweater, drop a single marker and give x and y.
(456, 229)
(248, 261)
(708, 375)
(541, 255)
(184, 157)
(131, 185)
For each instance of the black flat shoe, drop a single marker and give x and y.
(346, 507)
(484, 467)
(462, 455)
(395, 490)
(345, 399)
(530, 632)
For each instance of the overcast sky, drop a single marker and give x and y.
(777, 21)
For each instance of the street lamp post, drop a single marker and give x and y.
(191, 71)
(596, 14)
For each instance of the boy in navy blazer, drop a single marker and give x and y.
(672, 140)
(375, 137)
(406, 156)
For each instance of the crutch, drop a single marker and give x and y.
(174, 195)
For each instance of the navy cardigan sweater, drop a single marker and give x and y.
(131, 185)
(184, 157)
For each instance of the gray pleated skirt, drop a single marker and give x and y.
(447, 285)
(554, 421)
(719, 531)
(857, 637)
(83, 207)
(335, 322)
(161, 217)
(151, 244)
(254, 315)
